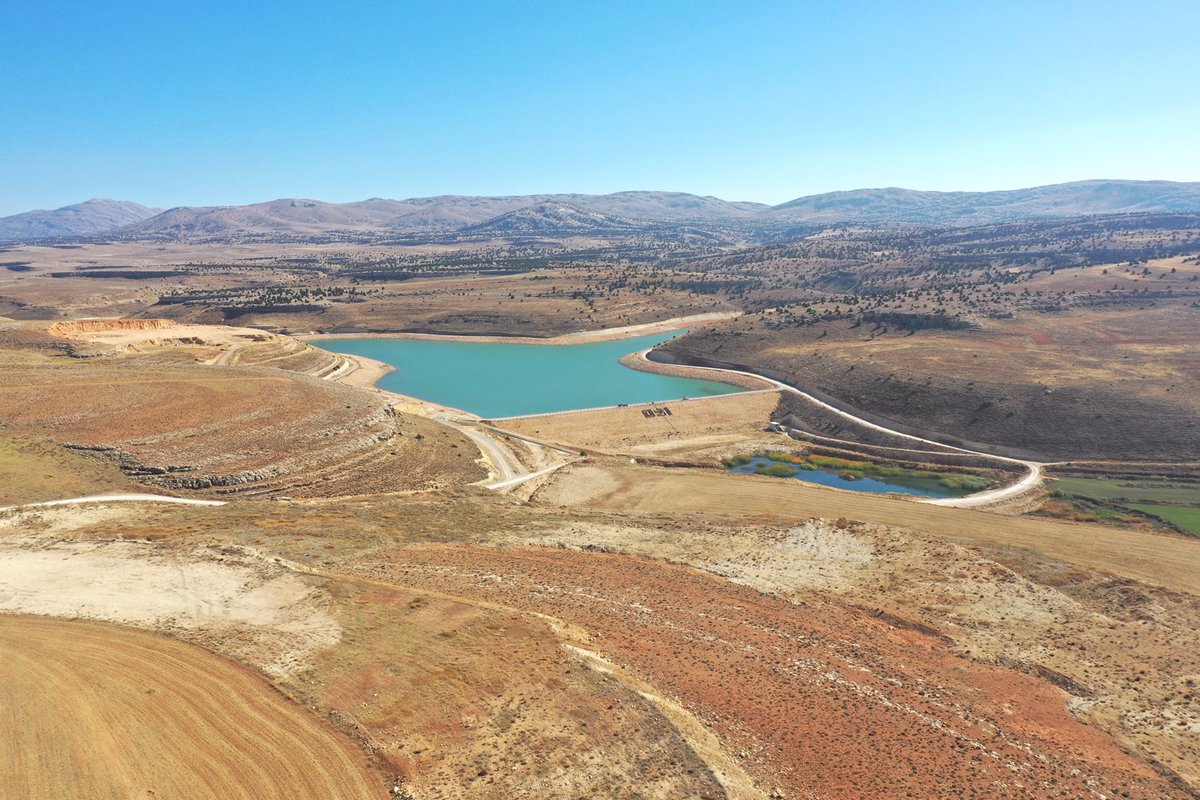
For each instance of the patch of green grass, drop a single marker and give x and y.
(852, 469)
(776, 471)
(1150, 491)
(1173, 502)
(1185, 518)
(964, 483)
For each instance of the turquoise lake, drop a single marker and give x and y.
(498, 379)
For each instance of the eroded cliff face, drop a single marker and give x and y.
(69, 329)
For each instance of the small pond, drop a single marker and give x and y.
(914, 482)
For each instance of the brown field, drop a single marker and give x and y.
(1122, 650)
(465, 670)
(629, 630)
(694, 425)
(539, 303)
(100, 711)
(451, 696)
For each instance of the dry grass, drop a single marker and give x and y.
(32, 469)
(1101, 383)
(96, 710)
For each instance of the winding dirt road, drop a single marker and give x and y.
(1033, 469)
(132, 497)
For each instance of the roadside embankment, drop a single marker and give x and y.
(642, 363)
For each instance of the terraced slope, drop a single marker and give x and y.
(111, 712)
(244, 430)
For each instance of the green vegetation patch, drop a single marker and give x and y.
(788, 465)
(1133, 490)
(776, 470)
(1185, 518)
(1173, 502)
(852, 469)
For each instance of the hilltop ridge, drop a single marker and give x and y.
(449, 213)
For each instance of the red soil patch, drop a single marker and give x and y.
(822, 700)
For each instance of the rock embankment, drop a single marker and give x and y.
(67, 329)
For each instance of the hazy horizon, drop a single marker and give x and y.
(170, 106)
(531, 194)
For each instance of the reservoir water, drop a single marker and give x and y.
(499, 379)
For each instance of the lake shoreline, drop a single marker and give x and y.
(497, 379)
(579, 337)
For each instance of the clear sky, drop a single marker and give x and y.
(195, 103)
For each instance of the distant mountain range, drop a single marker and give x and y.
(82, 219)
(1082, 198)
(565, 214)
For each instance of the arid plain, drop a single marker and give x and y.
(387, 597)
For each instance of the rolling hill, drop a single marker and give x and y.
(441, 213)
(82, 219)
(621, 212)
(555, 219)
(1082, 198)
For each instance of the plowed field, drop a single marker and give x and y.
(100, 711)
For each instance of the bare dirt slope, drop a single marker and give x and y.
(109, 712)
(1161, 559)
(451, 696)
(1123, 651)
(818, 701)
(505, 670)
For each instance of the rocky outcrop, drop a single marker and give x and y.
(75, 327)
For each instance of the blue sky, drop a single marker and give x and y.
(192, 103)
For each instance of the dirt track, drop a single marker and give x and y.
(110, 712)
(1030, 481)
(130, 497)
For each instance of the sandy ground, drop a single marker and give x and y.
(146, 333)
(367, 371)
(284, 618)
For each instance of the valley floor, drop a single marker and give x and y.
(625, 620)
